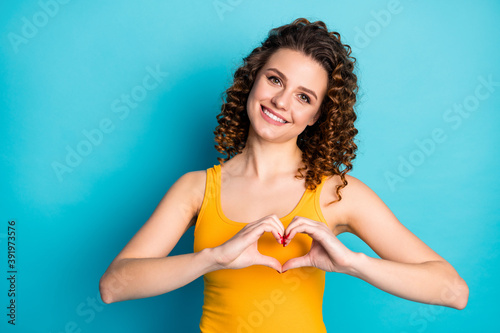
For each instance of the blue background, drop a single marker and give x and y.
(68, 73)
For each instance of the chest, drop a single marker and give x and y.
(245, 201)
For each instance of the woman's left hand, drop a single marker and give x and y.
(327, 252)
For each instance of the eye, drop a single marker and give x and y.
(304, 98)
(274, 79)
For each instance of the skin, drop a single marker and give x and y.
(285, 86)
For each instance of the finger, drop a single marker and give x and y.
(316, 230)
(300, 220)
(279, 225)
(288, 231)
(297, 262)
(271, 220)
(268, 261)
(297, 221)
(268, 225)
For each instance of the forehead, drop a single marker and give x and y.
(299, 69)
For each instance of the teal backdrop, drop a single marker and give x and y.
(104, 104)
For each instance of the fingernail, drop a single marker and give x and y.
(286, 236)
(278, 271)
(284, 271)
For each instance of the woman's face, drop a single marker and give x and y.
(286, 96)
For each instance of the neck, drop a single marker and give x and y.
(267, 160)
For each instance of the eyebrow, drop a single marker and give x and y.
(284, 77)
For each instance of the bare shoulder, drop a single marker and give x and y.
(339, 213)
(356, 188)
(363, 213)
(194, 176)
(193, 179)
(361, 201)
(191, 186)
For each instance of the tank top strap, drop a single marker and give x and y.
(217, 195)
(317, 203)
(211, 188)
(216, 180)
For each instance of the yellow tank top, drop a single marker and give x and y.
(258, 299)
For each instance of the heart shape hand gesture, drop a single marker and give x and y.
(326, 253)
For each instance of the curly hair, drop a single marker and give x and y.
(328, 146)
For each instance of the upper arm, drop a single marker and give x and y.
(368, 217)
(175, 213)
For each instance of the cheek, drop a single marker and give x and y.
(251, 96)
(309, 117)
(259, 90)
(253, 101)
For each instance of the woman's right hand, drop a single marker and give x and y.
(241, 250)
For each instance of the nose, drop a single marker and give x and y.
(282, 100)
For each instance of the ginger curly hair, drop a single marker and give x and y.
(328, 146)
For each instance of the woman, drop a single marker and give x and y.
(266, 218)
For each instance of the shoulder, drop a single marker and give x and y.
(193, 179)
(192, 183)
(355, 188)
(190, 189)
(357, 197)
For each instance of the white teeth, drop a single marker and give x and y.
(273, 117)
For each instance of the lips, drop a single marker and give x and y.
(273, 115)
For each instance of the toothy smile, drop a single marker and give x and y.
(273, 116)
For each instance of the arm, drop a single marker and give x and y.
(408, 268)
(142, 268)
